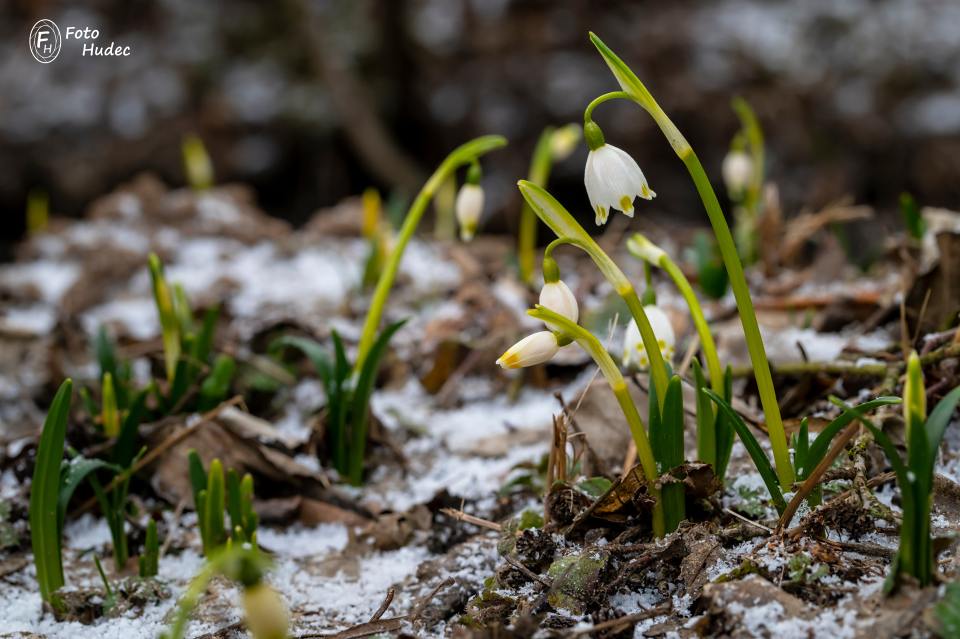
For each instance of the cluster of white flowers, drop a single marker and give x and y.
(542, 346)
(613, 180)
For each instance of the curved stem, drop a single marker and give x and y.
(728, 251)
(460, 156)
(589, 342)
(569, 231)
(613, 95)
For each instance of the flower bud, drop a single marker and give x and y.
(469, 207)
(564, 141)
(634, 351)
(914, 395)
(265, 613)
(558, 297)
(737, 172)
(641, 247)
(530, 351)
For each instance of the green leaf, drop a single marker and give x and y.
(822, 442)
(198, 476)
(912, 218)
(711, 274)
(216, 386)
(947, 611)
(760, 460)
(360, 408)
(149, 560)
(109, 413)
(126, 445)
(939, 419)
(169, 326)
(673, 495)
(594, 486)
(73, 472)
(724, 428)
(215, 506)
(233, 499)
(706, 420)
(45, 495)
(203, 342)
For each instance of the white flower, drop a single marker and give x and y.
(737, 172)
(469, 206)
(613, 181)
(634, 351)
(558, 297)
(530, 351)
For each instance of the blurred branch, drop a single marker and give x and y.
(359, 119)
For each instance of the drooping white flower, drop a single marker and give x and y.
(469, 207)
(635, 353)
(530, 351)
(558, 297)
(737, 171)
(613, 180)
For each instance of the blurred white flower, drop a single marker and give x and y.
(564, 141)
(530, 351)
(613, 180)
(469, 207)
(635, 353)
(737, 171)
(558, 297)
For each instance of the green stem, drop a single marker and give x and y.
(463, 154)
(646, 250)
(540, 165)
(569, 231)
(589, 342)
(728, 251)
(626, 292)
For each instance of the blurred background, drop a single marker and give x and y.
(310, 101)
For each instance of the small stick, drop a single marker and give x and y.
(529, 574)
(470, 519)
(422, 604)
(622, 621)
(747, 521)
(811, 482)
(385, 605)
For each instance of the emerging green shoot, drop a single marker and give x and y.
(109, 415)
(45, 522)
(743, 174)
(214, 495)
(196, 163)
(912, 217)
(150, 559)
(915, 477)
(38, 211)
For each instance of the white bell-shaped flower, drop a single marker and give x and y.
(530, 351)
(635, 353)
(737, 172)
(558, 297)
(613, 180)
(469, 207)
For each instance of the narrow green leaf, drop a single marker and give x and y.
(109, 414)
(822, 442)
(73, 472)
(760, 460)
(216, 386)
(234, 499)
(673, 495)
(360, 408)
(706, 420)
(168, 321)
(149, 560)
(215, 505)
(198, 476)
(45, 495)
(939, 419)
(126, 445)
(724, 428)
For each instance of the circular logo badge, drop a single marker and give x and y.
(45, 41)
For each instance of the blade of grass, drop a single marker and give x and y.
(45, 495)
